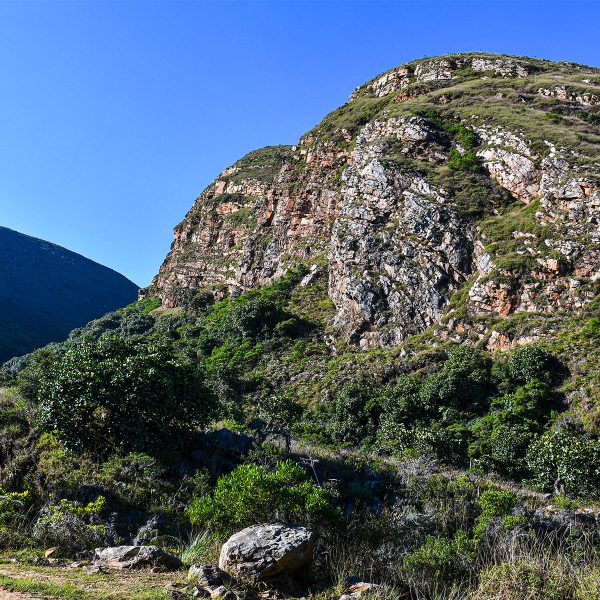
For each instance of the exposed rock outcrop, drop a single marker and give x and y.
(394, 196)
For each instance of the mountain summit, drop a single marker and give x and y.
(46, 291)
(449, 192)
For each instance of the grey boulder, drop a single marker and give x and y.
(135, 557)
(262, 551)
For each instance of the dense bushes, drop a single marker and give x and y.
(469, 410)
(466, 161)
(120, 394)
(73, 527)
(537, 579)
(13, 513)
(354, 413)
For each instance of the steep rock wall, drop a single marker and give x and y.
(443, 173)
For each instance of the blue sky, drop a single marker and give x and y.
(115, 115)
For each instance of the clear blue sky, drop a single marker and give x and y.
(114, 116)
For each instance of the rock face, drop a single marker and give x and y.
(135, 557)
(394, 197)
(262, 551)
(221, 450)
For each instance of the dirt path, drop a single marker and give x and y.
(4, 595)
(120, 585)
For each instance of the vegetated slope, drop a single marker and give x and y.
(46, 291)
(411, 295)
(455, 198)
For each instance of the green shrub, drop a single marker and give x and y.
(466, 161)
(14, 525)
(119, 394)
(532, 402)
(463, 382)
(496, 506)
(530, 363)
(502, 437)
(253, 318)
(195, 301)
(60, 471)
(465, 136)
(592, 327)
(501, 445)
(570, 455)
(136, 478)
(251, 494)
(12, 505)
(526, 579)
(279, 410)
(441, 558)
(402, 407)
(354, 413)
(72, 526)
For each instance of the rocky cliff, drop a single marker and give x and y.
(450, 192)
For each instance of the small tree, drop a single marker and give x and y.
(569, 455)
(529, 363)
(119, 394)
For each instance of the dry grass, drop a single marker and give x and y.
(75, 584)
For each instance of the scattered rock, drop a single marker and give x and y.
(207, 575)
(135, 557)
(221, 592)
(50, 551)
(179, 592)
(261, 551)
(89, 569)
(230, 441)
(310, 276)
(356, 587)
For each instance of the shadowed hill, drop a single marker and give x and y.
(46, 291)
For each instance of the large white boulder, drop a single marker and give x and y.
(262, 551)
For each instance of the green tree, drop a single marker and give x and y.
(120, 394)
(530, 363)
(355, 413)
(570, 455)
(463, 382)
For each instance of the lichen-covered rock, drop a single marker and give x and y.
(262, 551)
(135, 557)
(397, 249)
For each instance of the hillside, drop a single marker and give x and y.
(452, 199)
(470, 171)
(47, 291)
(368, 367)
